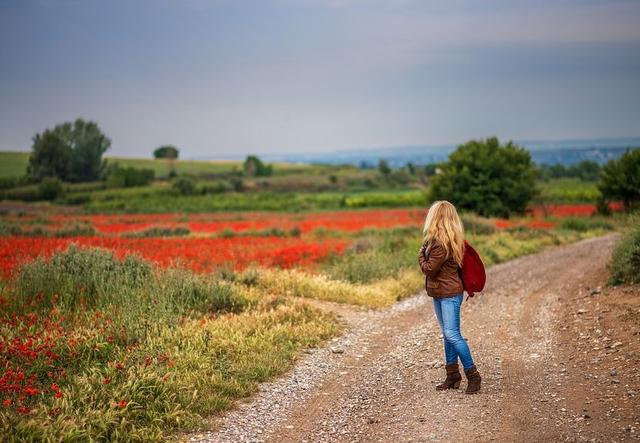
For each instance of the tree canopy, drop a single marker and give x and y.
(166, 151)
(254, 167)
(620, 179)
(488, 178)
(69, 151)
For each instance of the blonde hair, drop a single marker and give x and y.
(443, 225)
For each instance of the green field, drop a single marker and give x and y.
(14, 164)
(567, 190)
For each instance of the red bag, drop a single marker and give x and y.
(472, 271)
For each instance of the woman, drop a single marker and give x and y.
(440, 258)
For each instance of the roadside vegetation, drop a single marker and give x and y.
(625, 265)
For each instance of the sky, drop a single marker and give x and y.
(231, 77)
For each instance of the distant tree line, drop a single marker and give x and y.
(587, 170)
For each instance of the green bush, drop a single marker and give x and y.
(14, 182)
(184, 186)
(50, 188)
(96, 278)
(487, 178)
(476, 225)
(28, 193)
(217, 187)
(160, 232)
(129, 177)
(625, 264)
(620, 179)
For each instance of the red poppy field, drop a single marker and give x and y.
(231, 240)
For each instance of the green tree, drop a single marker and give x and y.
(383, 167)
(170, 153)
(587, 170)
(51, 156)
(166, 151)
(254, 167)
(72, 151)
(487, 178)
(620, 179)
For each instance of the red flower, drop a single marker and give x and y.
(30, 390)
(54, 387)
(106, 381)
(23, 410)
(58, 394)
(122, 404)
(6, 402)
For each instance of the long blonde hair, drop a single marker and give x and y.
(443, 225)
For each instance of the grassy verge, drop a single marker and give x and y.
(98, 349)
(625, 263)
(156, 199)
(380, 267)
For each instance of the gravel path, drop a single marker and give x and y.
(376, 382)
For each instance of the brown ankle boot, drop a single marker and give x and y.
(474, 379)
(453, 378)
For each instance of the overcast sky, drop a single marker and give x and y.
(218, 77)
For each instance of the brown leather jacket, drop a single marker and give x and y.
(441, 271)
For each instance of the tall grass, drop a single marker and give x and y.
(133, 352)
(625, 263)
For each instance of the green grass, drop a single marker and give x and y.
(625, 263)
(568, 190)
(13, 164)
(159, 199)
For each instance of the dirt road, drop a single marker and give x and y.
(533, 341)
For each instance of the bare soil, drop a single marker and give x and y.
(558, 352)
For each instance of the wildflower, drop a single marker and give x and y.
(58, 394)
(106, 381)
(6, 402)
(122, 404)
(54, 387)
(30, 390)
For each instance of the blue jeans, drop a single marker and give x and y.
(448, 313)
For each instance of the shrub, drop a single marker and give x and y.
(50, 188)
(184, 186)
(129, 177)
(477, 225)
(93, 275)
(160, 232)
(625, 264)
(216, 187)
(25, 193)
(96, 278)
(620, 179)
(254, 167)
(487, 178)
(13, 182)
